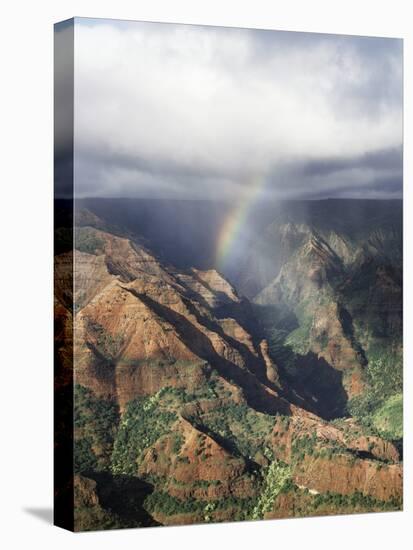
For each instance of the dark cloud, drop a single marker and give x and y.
(179, 110)
(390, 159)
(63, 108)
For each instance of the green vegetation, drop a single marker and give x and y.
(299, 339)
(280, 352)
(310, 446)
(86, 240)
(307, 504)
(243, 428)
(380, 406)
(178, 442)
(108, 345)
(84, 457)
(163, 503)
(302, 446)
(180, 396)
(288, 334)
(388, 419)
(276, 324)
(323, 340)
(276, 477)
(143, 423)
(201, 483)
(354, 501)
(385, 371)
(96, 423)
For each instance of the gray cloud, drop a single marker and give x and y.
(178, 110)
(63, 108)
(390, 159)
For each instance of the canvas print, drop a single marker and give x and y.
(228, 274)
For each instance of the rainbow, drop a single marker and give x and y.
(233, 225)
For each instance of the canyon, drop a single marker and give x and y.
(268, 385)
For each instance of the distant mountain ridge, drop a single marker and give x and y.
(185, 233)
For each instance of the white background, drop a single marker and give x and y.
(26, 72)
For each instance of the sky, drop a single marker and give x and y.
(197, 112)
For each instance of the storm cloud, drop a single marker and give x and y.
(165, 110)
